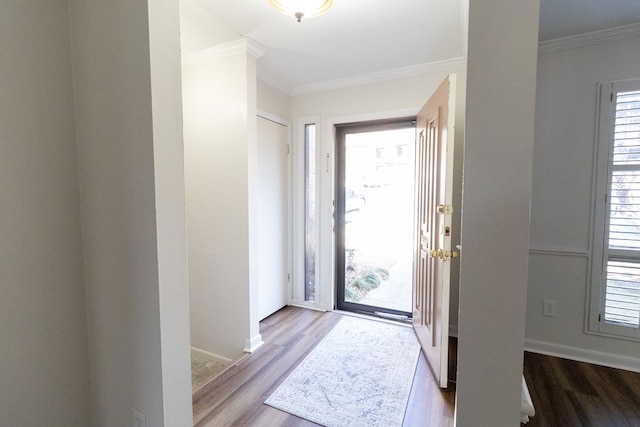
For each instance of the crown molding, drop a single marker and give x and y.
(223, 50)
(590, 39)
(397, 73)
(254, 49)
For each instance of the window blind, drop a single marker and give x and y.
(622, 299)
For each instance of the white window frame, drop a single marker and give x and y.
(299, 188)
(602, 183)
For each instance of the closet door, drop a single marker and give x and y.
(273, 227)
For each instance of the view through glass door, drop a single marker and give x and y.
(374, 217)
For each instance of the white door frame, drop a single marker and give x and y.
(286, 123)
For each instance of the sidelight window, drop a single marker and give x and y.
(310, 226)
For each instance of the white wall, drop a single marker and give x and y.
(44, 360)
(273, 100)
(402, 96)
(561, 199)
(370, 98)
(128, 125)
(219, 98)
(498, 159)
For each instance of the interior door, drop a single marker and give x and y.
(273, 228)
(433, 253)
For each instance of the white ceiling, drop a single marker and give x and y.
(362, 37)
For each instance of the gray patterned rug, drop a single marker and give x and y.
(359, 375)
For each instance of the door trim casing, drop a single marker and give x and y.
(327, 265)
(286, 123)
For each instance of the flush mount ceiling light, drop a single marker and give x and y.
(302, 8)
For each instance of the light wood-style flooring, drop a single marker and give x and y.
(235, 398)
(564, 393)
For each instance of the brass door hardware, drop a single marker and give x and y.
(444, 255)
(445, 209)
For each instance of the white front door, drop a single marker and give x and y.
(433, 227)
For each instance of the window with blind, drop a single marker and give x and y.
(616, 271)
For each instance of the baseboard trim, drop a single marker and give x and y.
(610, 360)
(208, 355)
(252, 344)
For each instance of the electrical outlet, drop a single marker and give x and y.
(139, 419)
(549, 308)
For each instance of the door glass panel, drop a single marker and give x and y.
(310, 213)
(378, 218)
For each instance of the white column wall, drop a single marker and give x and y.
(502, 53)
(168, 159)
(253, 339)
(44, 358)
(219, 97)
(128, 132)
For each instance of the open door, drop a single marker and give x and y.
(433, 209)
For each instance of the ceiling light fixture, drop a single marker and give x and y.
(302, 8)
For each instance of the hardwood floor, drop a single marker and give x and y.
(565, 393)
(235, 398)
(568, 393)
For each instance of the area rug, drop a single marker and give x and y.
(360, 374)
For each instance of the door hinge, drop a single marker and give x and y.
(611, 97)
(445, 209)
(288, 149)
(288, 278)
(599, 317)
